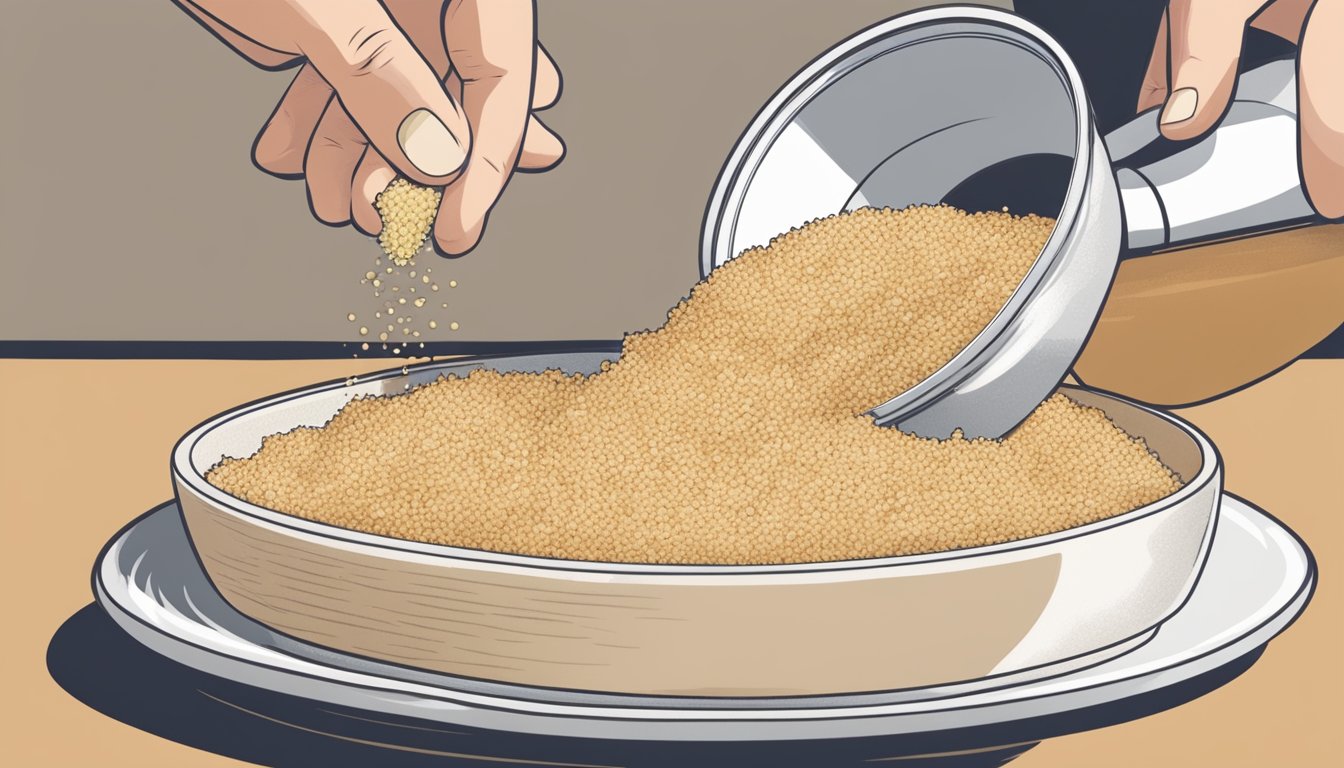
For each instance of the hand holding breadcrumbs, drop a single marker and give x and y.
(442, 93)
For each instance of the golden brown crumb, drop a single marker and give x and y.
(407, 211)
(735, 433)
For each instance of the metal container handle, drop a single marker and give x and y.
(1240, 179)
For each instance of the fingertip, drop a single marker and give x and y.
(1325, 188)
(327, 208)
(371, 179)
(454, 248)
(1185, 130)
(434, 152)
(282, 142)
(364, 215)
(1155, 97)
(366, 226)
(1331, 210)
(548, 83)
(274, 155)
(446, 251)
(1186, 115)
(327, 217)
(455, 242)
(542, 149)
(1205, 48)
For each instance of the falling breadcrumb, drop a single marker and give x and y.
(407, 212)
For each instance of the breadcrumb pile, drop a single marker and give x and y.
(736, 433)
(407, 212)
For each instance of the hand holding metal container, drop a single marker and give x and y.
(980, 109)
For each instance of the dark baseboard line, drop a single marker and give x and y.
(1332, 347)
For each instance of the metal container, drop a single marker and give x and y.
(927, 624)
(981, 109)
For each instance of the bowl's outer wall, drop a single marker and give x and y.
(707, 636)
(792, 632)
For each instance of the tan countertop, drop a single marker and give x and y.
(85, 449)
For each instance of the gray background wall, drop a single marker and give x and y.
(131, 210)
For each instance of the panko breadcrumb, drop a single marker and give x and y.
(736, 433)
(407, 212)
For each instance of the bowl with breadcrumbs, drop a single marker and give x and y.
(709, 510)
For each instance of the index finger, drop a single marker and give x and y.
(491, 44)
(1153, 91)
(261, 55)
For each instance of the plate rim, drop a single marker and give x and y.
(735, 719)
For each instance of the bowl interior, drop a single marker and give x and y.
(1182, 450)
(958, 106)
(239, 433)
(240, 436)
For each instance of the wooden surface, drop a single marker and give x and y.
(85, 449)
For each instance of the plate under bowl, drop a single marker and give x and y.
(716, 631)
(1257, 579)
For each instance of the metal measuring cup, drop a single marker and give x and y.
(979, 108)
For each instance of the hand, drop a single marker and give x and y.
(1193, 70)
(442, 92)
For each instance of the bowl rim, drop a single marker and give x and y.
(854, 52)
(186, 474)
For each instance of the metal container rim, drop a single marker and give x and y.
(913, 28)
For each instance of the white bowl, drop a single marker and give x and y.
(985, 613)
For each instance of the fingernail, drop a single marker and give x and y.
(429, 145)
(1180, 106)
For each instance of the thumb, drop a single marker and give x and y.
(1204, 48)
(1321, 115)
(387, 87)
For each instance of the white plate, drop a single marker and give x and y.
(1258, 578)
